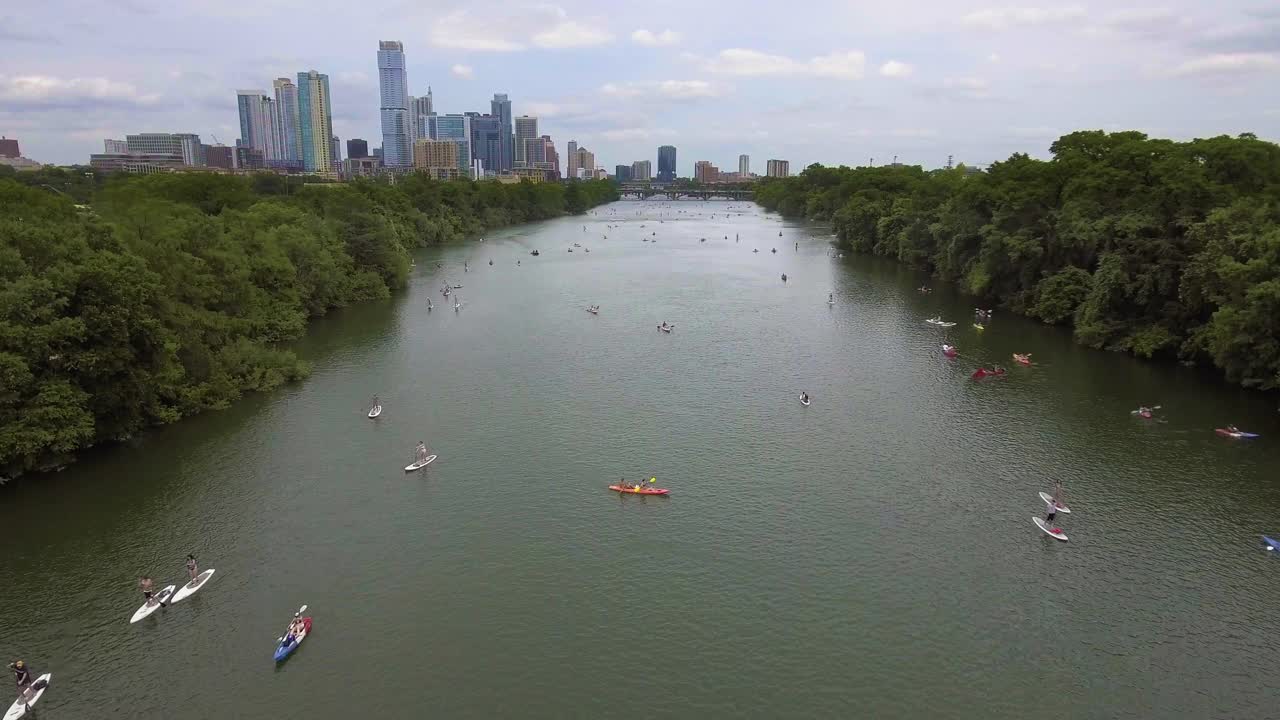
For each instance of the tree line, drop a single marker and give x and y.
(128, 302)
(1154, 247)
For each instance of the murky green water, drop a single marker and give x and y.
(869, 556)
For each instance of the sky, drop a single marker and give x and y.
(836, 82)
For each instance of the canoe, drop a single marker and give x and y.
(148, 608)
(1238, 434)
(641, 491)
(284, 650)
(978, 327)
(19, 708)
(190, 588)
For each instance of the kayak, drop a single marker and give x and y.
(419, 464)
(978, 327)
(940, 323)
(288, 645)
(1047, 498)
(148, 608)
(1272, 543)
(949, 350)
(665, 329)
(1237, 434)
(641, 491)
(1144, 414)
(19, 708)
(593, 311)
(190, 588)
(1022, 359)
(804, 402)
(983, 372)
(375, 411)
(1055, 533)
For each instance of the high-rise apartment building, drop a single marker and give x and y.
(666, 163)
(500, 107)
(455, 128)
(778, 168)
(115, 147)
(336, 151)
(9, 148)
(705, 172)
(315, 121)
(357, 148)
(526, 129)
(288, 139)
(571, 160)
(584, 164)
(744, 166)
(419, 109)
(642, 170)
(622, 173)
(486, 142)
(259, 123)
(552, 158)
(393, 89)
(438, 158)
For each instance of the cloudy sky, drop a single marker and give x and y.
(836, 82)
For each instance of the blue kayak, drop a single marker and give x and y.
(289, 644)
(1272, 543)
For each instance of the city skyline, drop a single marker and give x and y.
(920, 80)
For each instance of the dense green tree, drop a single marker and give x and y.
(172, 294)
(1149, 246)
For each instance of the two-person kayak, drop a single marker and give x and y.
(633, 490)
(294, 636)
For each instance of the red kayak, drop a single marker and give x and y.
(983, 372)
(641, 491)
(949, 350)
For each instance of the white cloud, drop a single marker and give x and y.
(460, 30)
(1229, 64)
(645, 37)
(741, 61)
(636, 133)
(895, 69)
(354, 77)
(1004, 18)
(993, 58)
(49, 91)
(463, 71)
(671, 89)
(506, 29)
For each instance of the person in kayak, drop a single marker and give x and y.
(1233, 429)
(192, 569)
(804, 396)
(295, 629)
(148, 588)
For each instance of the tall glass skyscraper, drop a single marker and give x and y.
(393, 87)
(457, 128)
(667, 163)
(526, 129)
(486, 141)
(315, 121)
(500, 107)
(259, 124)
(289, 140)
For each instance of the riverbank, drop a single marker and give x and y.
(171, 294)
(1166, 250)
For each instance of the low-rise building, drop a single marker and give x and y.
(137, 163)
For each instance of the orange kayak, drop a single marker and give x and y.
(641, 491)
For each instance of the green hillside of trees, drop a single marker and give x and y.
(171, 294)
(1158, 248)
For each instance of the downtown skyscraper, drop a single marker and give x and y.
(259, 124)
(667, 163)
(393, 89)
(315, 122)
(526, 130)
(500, 107)
(289, 139)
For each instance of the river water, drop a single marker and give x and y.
(871, 555)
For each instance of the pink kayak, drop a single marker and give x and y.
(639, 491)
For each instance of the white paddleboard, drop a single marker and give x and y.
(18, 708)
(148, 608)
(375, 412)
(1048, 500)
(188, 590)
(1039, 521)
(419, 464)
(804, 402)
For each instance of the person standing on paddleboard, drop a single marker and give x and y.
(192, 569)
(22, 674)
(148, 587)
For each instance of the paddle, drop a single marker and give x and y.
(295, 615)
(1153, 407)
